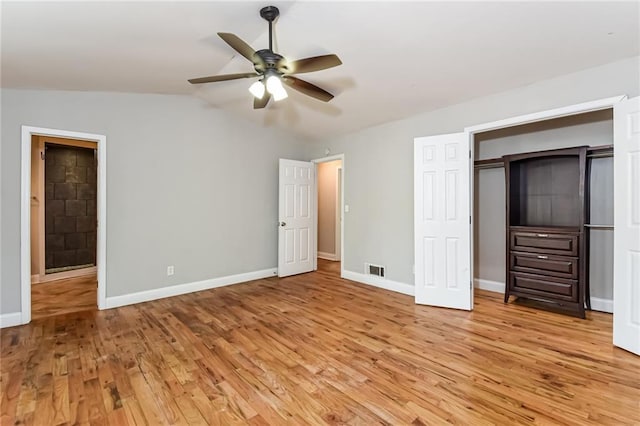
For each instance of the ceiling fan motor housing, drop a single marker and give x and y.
(269, 60)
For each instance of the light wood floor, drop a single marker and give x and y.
(64, 296)
(315, 349)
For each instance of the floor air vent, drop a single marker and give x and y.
(376, 270)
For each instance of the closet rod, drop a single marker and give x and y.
(492, 166)
(602, 155)
(587, 225)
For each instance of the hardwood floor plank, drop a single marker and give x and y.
(61, 399)
(315, 349)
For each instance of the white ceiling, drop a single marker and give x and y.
(399, 58)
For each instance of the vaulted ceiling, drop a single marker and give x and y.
(399, 59)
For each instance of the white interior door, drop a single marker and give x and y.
(296, 211)
(442, 221)
(626, 249)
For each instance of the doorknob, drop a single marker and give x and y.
(283, 224)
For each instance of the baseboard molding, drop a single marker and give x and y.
(398, 287)
(327, 256)
(488, 285)
(176, 290)
(10, 320)
(602, 305)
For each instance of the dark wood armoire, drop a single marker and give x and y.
(546, 202)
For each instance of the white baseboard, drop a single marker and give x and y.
(176, 290)
(398, 287)
(488, 285)
(10, 320)
(327, 256)
(602, 305)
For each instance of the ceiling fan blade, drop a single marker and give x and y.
(307, 88)
(238, 45)
(315, 63)
(223, 77)
(261, 103)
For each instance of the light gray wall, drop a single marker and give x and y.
(489, 217)
(601, 245)
(187, 185)
(378, 166)
(591, 129)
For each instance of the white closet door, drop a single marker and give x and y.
(626, 249)
(442, 221)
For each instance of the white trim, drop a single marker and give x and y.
(602, 305)
(338, 216)
(472, 210)
(549, 114)
(10, 320)
(328, 158)
(25, 228)
(327, 256)
(176, 290)
(74, 273)
(342, 256)
(396, 286)
(489, 285)
(25, 214)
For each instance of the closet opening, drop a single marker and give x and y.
(543, 267)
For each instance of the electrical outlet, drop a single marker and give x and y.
(170, 270)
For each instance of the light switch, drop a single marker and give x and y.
(346, 208)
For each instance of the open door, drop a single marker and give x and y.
(296, 210)
(626, 249)
(442, 221)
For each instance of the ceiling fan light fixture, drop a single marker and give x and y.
(257, 89)
(274, 86)
(280, 95)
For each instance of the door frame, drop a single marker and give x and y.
(25, 216)
(338, 230)
(315, 216)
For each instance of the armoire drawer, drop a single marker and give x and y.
(545, 242)
(540, 285)
(545, 264)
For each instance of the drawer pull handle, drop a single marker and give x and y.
(543, 235)
(543, 257)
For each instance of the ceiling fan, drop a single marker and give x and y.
(273, 69)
